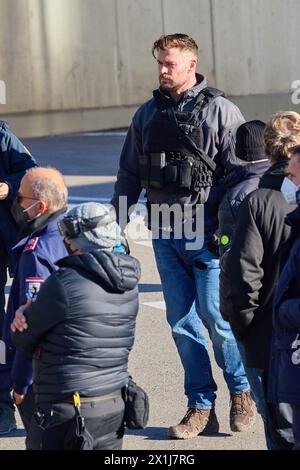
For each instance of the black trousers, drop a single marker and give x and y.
(3, 280)
(280, 421)
(27, 408)
(104, 420)
(296, 426)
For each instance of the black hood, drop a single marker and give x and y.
(274, 177)
(118, 272)
(244, 172)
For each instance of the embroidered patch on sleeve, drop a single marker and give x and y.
(31, 244)
(33, 285)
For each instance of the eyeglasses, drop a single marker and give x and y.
(20, 197)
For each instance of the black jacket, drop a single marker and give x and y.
(81, 326)
(284, 377)
(251, 267)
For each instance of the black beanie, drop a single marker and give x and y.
(250, 144)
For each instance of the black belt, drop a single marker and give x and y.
(110, 396)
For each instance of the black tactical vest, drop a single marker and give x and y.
(175, 168)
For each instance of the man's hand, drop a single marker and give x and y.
(19, 323)
(18, 398)
(4, 190)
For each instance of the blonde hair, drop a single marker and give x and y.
(281, 134)
(182, 41)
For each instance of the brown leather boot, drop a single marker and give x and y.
(242, 412)
(195, 421)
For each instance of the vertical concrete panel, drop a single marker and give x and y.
(139, 25)
(73, 54)
(193, 18)
(97, 54)
(254, 44)
(90, 56)
(15, 68)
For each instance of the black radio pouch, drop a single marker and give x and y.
(136, 406)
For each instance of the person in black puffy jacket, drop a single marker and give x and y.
(81, 329)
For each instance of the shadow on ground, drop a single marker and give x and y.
(161, 434)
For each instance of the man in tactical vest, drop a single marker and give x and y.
(180, 143)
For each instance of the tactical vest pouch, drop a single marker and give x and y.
(136, 406)
(158, 162)
(185, 173)
(144, 162)
(171, 172)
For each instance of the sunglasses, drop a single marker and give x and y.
(20, 198)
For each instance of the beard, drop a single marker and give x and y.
(167, 83)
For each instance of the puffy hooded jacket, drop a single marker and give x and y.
(81, 326)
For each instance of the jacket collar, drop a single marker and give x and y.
(44, 224)
(244, 172)
(274, 176)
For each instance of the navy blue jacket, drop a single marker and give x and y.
(240, 182)
(36, 255)
(15, 159)
(284, 378)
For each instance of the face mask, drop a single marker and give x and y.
(19, 214)
(289, 190)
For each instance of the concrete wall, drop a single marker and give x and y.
(78, 65)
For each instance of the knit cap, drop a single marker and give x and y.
(250, 145)
(96, 226)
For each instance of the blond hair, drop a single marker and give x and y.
(281, 134)
(182, 41)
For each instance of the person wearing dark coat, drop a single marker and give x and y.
(41, 199)
(252, 271)
(15, 159)
(284, 376)
(81, 329)
(242, 179)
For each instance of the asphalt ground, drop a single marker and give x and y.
(89, 163)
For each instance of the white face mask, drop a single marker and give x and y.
(289, 190)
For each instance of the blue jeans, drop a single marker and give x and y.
(6, 399)
(191, 293)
